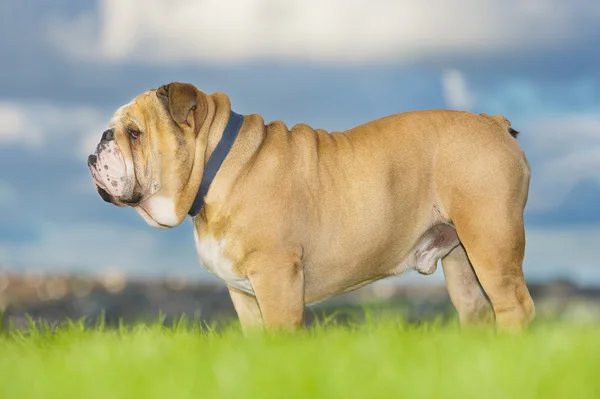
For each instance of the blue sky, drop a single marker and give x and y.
(68, 64)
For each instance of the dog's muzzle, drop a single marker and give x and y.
(109, 170)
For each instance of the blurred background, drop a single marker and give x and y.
(67, 65)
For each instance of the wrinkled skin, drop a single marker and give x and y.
(127, 164)
(296, 216)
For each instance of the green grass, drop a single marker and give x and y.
(377, 359)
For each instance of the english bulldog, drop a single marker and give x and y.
(287, 217)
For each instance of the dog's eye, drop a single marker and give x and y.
(133, 134)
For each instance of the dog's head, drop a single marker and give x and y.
(147, 156)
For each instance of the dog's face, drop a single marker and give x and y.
(145, 159)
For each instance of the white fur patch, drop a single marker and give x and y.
(162, 210)
(130, 172)
(148, 219)
(210, 253)
(117, 115)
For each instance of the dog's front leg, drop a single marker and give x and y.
(247, 309)
(278, 284)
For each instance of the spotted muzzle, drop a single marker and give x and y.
(109, 171)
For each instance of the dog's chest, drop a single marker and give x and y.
(210, 252)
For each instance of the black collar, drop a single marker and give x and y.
(216, 159)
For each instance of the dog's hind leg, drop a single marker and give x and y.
(495, 246)
(484, 196)
(465, 292)
(488, 216)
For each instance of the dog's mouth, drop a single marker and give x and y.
(104, 195)
(118, 201)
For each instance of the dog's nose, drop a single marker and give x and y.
(92, 160)
(108, 135)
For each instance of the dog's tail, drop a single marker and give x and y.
(502, 120)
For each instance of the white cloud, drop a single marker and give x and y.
(34, 124)
(169, 31)
(14, 127)
(456, 91)
(567, 151)
(566, 132)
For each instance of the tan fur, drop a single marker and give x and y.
(306, 215)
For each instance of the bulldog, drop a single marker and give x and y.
(290, 217)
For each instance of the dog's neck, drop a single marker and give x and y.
(216, 160)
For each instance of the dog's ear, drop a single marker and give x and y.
(186, 104)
